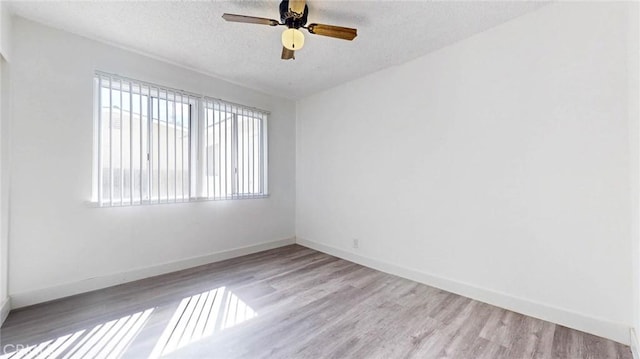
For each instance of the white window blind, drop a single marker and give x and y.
(234, 148)
(153, 144)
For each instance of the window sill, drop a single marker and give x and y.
(94, 204)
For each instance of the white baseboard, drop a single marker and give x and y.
(4, 310)
(634, 344)
(600, 327)
(60, 291)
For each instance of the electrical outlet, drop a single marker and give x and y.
(355, 243)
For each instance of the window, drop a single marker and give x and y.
(233, 144)
(153, 144)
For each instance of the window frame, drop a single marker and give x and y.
(197, 108)
(235, 111)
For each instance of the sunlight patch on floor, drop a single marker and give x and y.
(107, 340)
(200, 316)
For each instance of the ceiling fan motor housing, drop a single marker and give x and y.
(292, 19)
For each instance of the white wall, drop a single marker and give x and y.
(59, 245)
(5, 50)
(633, 80)
(497, 167)
(4, 190)
(5, 31)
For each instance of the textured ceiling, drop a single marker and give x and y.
(194, 35)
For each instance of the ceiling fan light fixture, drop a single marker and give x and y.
(293, 15)
(292, 39)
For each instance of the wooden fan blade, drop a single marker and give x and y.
(345, 33)
(287, 54)
(250, 19)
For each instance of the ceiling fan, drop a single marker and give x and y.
(293, 15)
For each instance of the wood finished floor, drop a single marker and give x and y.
(291, 302)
